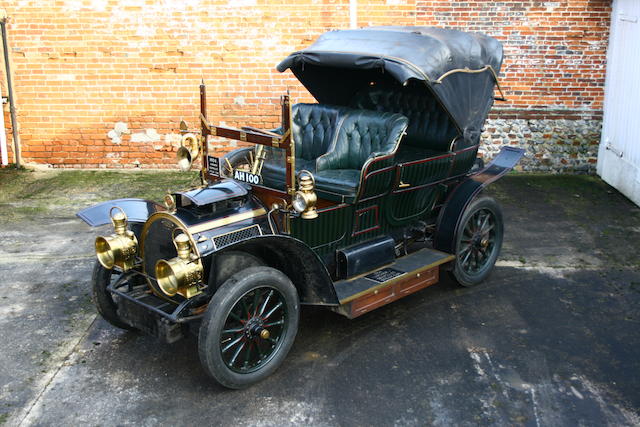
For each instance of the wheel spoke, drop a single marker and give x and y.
(243, 349)
(464, 261)
(279, 322)
(259, 350)
(245, 307)
(247, 355)
(256, 299)
(264, 304)
(466, 248)
(485, 221)
(273, 310)
(235, 316)
(231, 344)
(236, 354)
(232, 331)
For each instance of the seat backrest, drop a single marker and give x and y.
(364, 133)
(314, 127)
(429, 125)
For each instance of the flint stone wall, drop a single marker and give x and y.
(560, 146)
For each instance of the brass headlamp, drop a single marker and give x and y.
(182, 274)
(119, 249)
(304, 200)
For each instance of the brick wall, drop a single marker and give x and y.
(104, 83)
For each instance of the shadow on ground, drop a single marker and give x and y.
(551, 338)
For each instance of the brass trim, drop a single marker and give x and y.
(143, 239)
(243, 136)
(395, 280)
(226, 221)
(206, 124)
(275, 142)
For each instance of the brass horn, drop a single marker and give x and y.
(189, 151)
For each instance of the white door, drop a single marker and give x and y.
(619, 153)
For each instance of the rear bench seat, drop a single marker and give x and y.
(334, 143)
(430, 130)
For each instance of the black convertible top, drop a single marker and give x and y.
(458, 68)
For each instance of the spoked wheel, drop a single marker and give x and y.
(102, 298)
(478, 241)
(237, 159)
(249, 327)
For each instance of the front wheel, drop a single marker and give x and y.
(249, 327)
(478, 241)
(102, 298)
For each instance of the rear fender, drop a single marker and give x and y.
(455, 205)
(137, 210)
(295, 259)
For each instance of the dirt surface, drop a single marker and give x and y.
(551, 338)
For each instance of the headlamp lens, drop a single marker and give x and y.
(299, 202)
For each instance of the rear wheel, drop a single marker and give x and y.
(478, 241)
(249, 327)
(236, 159)
(100, 279)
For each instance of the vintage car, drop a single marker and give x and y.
(354, 202)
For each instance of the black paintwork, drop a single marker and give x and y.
(341, 63)
(221, 190)
(365, 256)
(137, 210)
(298, 262)
(464, 193)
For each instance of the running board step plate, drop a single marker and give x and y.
(404, 276)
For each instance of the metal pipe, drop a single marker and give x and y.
(12, 106)
(3, 135)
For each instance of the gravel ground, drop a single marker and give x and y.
(551, 338)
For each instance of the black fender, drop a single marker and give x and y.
(458, 200)
(137, 210)
(295, 259)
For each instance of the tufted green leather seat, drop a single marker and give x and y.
(313, 127)
(363, 135)
(334, 143)
(430, 127)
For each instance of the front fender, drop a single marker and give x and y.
(137, 210)
(294, 258)
(455, 205)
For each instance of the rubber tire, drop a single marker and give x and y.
(214, 319)
(234, 158)
(100, 279)
(458, 274)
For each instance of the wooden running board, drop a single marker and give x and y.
(404, 276)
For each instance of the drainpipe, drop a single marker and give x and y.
(3, 135)
(353, 14)
(12, 104)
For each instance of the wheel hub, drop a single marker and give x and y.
(255, 328)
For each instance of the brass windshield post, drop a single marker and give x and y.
(288, 144)
(205, 132)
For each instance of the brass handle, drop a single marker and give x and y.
(404, 185)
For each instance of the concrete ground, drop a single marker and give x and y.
(552, 338)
